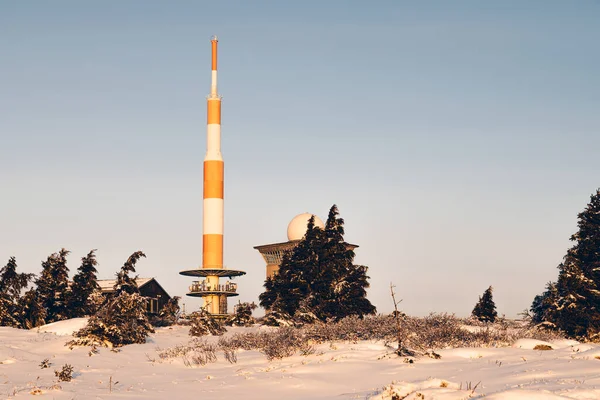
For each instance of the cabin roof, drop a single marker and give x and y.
(107, 285)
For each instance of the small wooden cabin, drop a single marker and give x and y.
(149, 288)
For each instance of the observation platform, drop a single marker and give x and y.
(220, 272)
(201, 289)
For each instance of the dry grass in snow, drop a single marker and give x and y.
(173, 365)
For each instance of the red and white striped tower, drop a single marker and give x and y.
(212, 229)
(213, 293)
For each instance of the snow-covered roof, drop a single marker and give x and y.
(107, 285)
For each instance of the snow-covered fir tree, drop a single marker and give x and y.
(242, 315)
(11, 282)
(52, 286)
(7, 315)
(126, 283)
(485, 309)
(83, 296)
(542, 303)
(293, 282)
(348, 282)
(318, 279)
(33, 312)
(203, 323)
(305, 314)
(12, 285)
(575, 308)
(274, 317)
(168, 314)
(123, 319)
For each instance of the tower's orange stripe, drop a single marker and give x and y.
(212, 251)
(214, 55)
(213, 179)
(214, 111)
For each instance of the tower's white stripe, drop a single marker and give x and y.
(213, 142)
(213, 216)
(213, 84)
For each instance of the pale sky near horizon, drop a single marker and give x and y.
(458, 139)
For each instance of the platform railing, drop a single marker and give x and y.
(205, 287)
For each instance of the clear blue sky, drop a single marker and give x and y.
(459, 139)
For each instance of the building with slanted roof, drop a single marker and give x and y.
(157, 296)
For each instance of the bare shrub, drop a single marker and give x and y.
(196, 352)
(307, 348)
(246, 341)
(506, 332)
(542, 332)
(278, 343)
(424, 334)
(352, 328)
(284, 342)
(230, 355)
(419, 336)
(202, 355)
(179, 350)
(229, 348)
(437, 331)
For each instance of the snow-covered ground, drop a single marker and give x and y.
(362, 370)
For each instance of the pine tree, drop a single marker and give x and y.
(296, 276)
(53, 285)
(485, 309)
(168, 314)
(348, 282)
(11, 286)
(576, 306)
(268, 298)
(242, 315)
(85, 285)
(542, 303)
(203, 323)
(125, 283)
(274, 317)
(318, 279)
(11, 282)
(123, 320)
(33, 313)
(306, 312)
(7, 316)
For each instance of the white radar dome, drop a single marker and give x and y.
(298, 226)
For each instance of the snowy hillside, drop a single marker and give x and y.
(339, 370)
